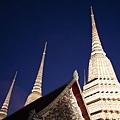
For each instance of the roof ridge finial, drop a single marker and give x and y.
(75, 75)
(4, 109)
(37, 88)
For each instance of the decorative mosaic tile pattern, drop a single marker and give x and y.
(65, 109)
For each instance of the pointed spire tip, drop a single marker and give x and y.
(91, 10)
(45, 48)
(15, 75)
(45, 43)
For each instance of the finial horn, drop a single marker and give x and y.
(75, 75)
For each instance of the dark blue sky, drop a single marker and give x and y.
(25, 25)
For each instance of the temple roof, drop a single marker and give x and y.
(41, 104)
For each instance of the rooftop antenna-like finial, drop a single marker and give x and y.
(84, 77)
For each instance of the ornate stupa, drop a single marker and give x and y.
(102, 90)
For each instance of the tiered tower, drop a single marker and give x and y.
(37, 88)
(102, 91)
(4, 109)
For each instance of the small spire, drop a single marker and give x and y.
(91, 10)
(38, 83)
(75, 75)
(37, 88)
(4, 109)
(84, 77)
(96, 44)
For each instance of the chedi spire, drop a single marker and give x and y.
(99, 65)
(96, 44)
(37, 88)
(4, 109)
(101, 92)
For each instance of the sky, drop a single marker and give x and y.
(25, 26)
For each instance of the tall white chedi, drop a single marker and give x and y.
(102, 91)
(37, 88)
(5, 106)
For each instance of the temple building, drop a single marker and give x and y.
(99, 100)
(64, 103)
